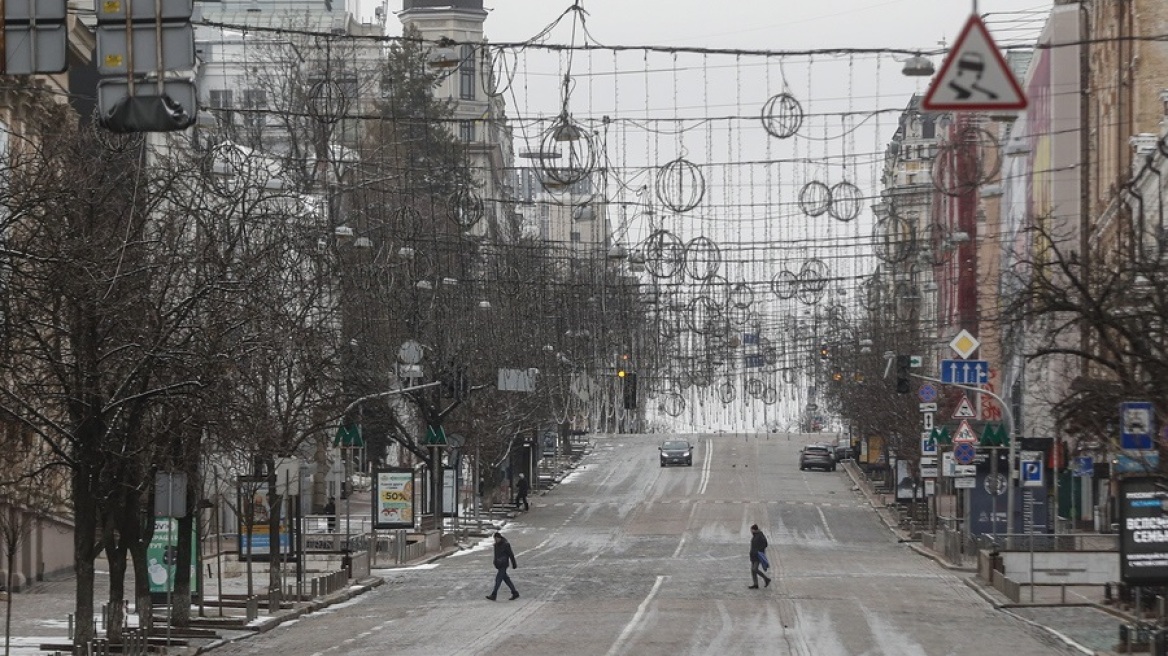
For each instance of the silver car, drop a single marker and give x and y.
(817, 456)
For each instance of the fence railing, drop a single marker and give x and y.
(1049, 542)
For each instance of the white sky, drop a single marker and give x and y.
(658, 102)
(746, 24)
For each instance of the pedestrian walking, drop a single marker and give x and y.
(521, 490)
(758, 545)
(503, 557)
(330, 510)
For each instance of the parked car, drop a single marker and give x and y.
(676, 452)
(816, 456)
(843, 452)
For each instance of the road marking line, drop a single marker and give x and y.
(826, 528)
(637, 616)
(706, 468)
(692, 510)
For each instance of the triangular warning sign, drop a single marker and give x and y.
(964, 409)
(965, 433)
(974, 76)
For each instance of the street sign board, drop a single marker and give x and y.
(964, 453)
(974, 76)
(927, 393)
(1084, 466)
(964, 433)
(1142, 538)
(927, 421)
(915, 361)
(928, 447)
(928, 407)
(965, 470)
(1031, 472)
(1137, 425)
(928, 471)
(964, 344)
(154, 47)
(965, 372)
(964, 409)
(965, 483)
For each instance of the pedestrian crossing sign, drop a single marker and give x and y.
(975, 76)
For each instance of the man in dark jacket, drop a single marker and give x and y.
(521, 490)
(503, 557)
(758, 544)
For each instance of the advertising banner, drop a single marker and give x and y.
(162, 556)
(1143, 539)
(255, 513)
(394, 502)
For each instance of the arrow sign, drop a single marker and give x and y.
(975, 76)
(965, 372)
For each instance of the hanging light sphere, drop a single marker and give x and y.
(567, 154)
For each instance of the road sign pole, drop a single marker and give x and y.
(1012, 467)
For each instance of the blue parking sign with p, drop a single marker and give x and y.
(1031, 473)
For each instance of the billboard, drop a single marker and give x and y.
(394, 501)
(162, 556)
(1143, 532)
(255, 513)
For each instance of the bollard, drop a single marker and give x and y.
(273, 600)
(70, 626)
(253, 607)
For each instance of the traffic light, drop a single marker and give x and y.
(630, 390)
(824, 352)
(903, 362)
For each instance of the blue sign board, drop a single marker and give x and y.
(927, 393)
(1031, 472)
(1137, 425)
(1084, 466)
(965, 372)
(964, 453)
(1136, 463)
(754, 361)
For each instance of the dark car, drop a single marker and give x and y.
(843, 452)
(676, 452)
(817, 456)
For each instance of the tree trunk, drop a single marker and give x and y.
(181, 603)
(116, 555)
(85, 550)
(12, 548)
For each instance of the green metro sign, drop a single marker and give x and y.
(435, 436)
(349, 436)
(994, 435)
(941, 436)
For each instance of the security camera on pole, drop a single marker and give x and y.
(146, 57)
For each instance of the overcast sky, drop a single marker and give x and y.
(705, 109)
(747, 24)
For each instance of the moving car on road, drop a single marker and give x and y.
(817, 456)
(676, 452)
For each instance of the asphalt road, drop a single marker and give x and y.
(627, 557)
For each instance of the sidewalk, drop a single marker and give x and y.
(1083, 622)
(41, 613)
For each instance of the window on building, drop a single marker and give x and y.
(222, 104)
(256, 102)
(466, 131)
(466, 73)
(575, 237)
